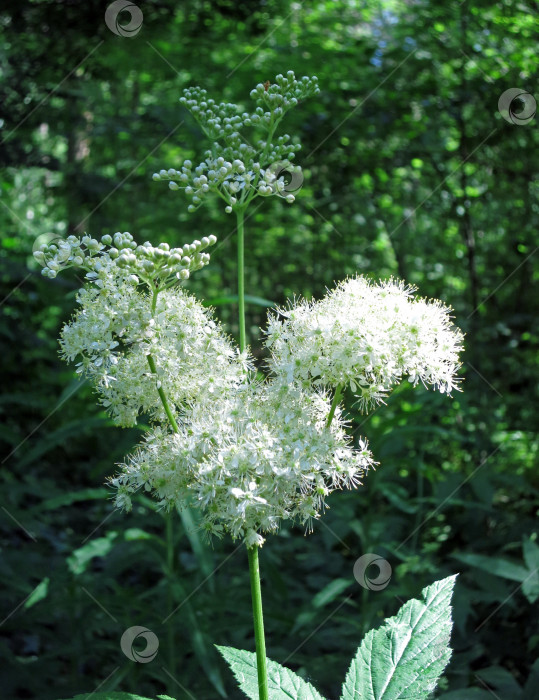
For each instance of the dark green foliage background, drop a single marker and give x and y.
(409, 171)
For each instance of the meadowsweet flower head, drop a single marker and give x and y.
(260, 455)
(116, 329)
(367, 336)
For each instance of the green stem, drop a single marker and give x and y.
(256, 593)
(163, 397)
(153, 368)
(170, 593)
(169, 531)
(334, 404)
(241, 277)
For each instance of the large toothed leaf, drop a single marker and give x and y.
(404, 659)
(283, 684)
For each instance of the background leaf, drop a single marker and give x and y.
(283, 684)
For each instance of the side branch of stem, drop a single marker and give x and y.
(163, 397)
(334, 404)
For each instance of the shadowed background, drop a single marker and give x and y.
(410, 171)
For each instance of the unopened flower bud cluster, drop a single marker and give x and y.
(235, 170)
(161, 264)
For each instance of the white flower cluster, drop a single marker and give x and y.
(258, 455)
(241, 171)
(116, 329)
(249, 453)
(147, 263)
(366, 336)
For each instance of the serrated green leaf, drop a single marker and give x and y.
(283, 684)
(404, 658)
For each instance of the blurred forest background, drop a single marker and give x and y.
(410, 171)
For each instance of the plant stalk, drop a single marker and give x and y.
(169, 526)
(241, 277)
(252, 552)
(256, 593)
(170, 593)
